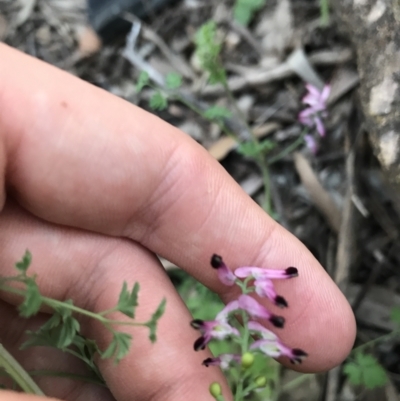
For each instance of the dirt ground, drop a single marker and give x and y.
(337, 200)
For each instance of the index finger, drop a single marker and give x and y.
(75, 155)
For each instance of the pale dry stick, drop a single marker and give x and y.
(255, 77)
(321, 198)
(135, 59)
(178, 62)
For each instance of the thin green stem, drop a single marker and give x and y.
(289, 149)
(288, 387)
(267, 204)
(18, 373)
(324, 7)
(201, 113)
(53, 303)
(376, 340)
(52, 373)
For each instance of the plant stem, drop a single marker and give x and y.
(201, 113)
(53, 303)
(376, 340)
(18, 373)
(267, 204)
(288, 387)
(289, 149)
(324, 7)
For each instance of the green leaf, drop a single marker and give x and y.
(127, 301)
(173, 81)
(244, 10)
(32, 301)
(142, 81)
(119, 347)
(68, 330)
(152, 324)
(158, 101)
(242, 14)
(217, 113)
(395, 315)
(253, 149)
(24, 263)
(208, 49)
(366, 371)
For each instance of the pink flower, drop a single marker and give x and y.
(271, 345)
(313, 115)
(256, 310)
(276, 348)
(213, 329)
(224, 274)
(223, 360)
(263, 281)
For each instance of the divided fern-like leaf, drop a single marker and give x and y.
(244, 10)
(365, 370)
(127, 301)
(158, 101)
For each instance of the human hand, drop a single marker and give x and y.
(95, 187)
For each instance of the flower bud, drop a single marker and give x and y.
(247, 360)
(215, 389)
(261, 381)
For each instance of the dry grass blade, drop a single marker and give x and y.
(321, 198)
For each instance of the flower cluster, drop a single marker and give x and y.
(249, 279)
(313, 115)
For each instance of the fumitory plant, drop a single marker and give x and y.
(250, 337)
(63, 331)
(313, 116)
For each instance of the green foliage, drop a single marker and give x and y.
(173, 81)
(365, 370)
(253, 149)
(244, 10)
(158, 101)
(128, 301)
(24, 263)
(58, 332)
(395, 315)
(142, 81)
(208, 50)
(119, 347)
(152, 324)
(62, 329)
(33, 299)
(217, 113)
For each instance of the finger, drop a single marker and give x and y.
(80, 157)
(90, 270)
(12, 396)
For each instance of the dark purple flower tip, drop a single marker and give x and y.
(209, 361)
(200, 343)
(277, 321)
(197, 323)
(297, 356)
(292, 272)
(281, 302)
(216, 261)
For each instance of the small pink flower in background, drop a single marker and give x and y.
(311, 143)
(315, 113)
